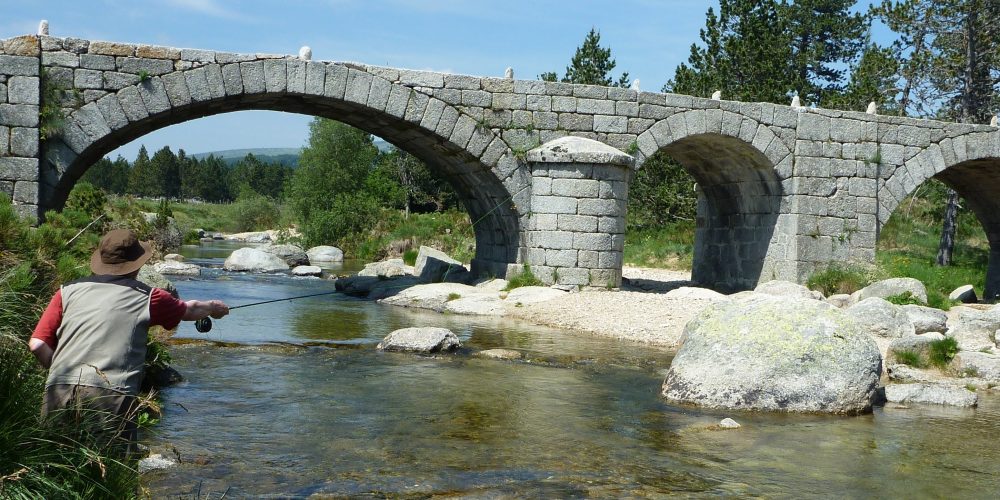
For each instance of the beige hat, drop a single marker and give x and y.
(120, 252)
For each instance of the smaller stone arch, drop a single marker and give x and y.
(969, 164)
(740, 166)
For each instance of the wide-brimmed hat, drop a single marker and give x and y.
(120, 252)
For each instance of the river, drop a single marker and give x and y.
(292, 399)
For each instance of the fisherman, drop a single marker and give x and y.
(92, 337)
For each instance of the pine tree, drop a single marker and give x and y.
(139, 174)
(591, 65)
(826, 38)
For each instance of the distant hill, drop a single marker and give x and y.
(287, 156)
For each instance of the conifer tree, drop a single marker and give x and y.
(591, 65)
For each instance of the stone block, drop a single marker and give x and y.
(509, 101)
(844, 130)
(24, 142)
(26, 192)
(611, 225)
(27, 45)
(91, 121)
(154, 96)
(595, 106)
(396, 104)
(18, 169)
(98, 62)
(480, 139)
(155, 52)
(88, 79)
(560, 258)
(462, 82)
(7, 188)
(654, 112)
(450, 96)
(315, 78)
(564, 104)
(336, 81)
(813, 127)
(114, 81)
(137, 65)
(112, 111)
(228, 57)
(23, 90)
(477, 98)
(4, 141)
(196, 55)
(577, 223)
(296, 76)
(19, 65)
(65, 59)
(177, 90)
(545, 120)
(19, 115)
(577, 188)
(571, 121)
(432, 114)
(111, 48)
(602, 207)
(197, 84)
(275, 76)
(253, 77)
(556, 240)
(497, 84)
(232, 79)
(493, 152)
(571, 276)
(590, 91)
(588, 259)
(553, 205)
(609, 260)
(538, 103)
(413, 78)
(3, 93)
(378, 96)
(132, 104)
(445, 126)
(214, 81)
(611, 124)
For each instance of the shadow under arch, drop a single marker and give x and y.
(485, 175)
(739, 198)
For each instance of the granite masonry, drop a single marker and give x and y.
(783, 190)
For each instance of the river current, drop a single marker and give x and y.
(292, 399)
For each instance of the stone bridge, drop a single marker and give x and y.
(784, 191)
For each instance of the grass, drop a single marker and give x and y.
(837, 279)
(453, 296)
(943, 351)
(525, 278)
(669, 247)
(904, 299)
(909, 358)
(38, 461)
(449, 231)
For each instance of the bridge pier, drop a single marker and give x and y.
(579, 193)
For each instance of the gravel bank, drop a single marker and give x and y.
(652, 307)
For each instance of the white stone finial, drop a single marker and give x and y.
(43, 28)
(509, 73)
(717, 95)
(635, 85)
(872, 108)
(993, 121)
(796, 103)
(305, 53)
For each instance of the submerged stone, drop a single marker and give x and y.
(425, 340)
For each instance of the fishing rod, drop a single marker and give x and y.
(204, 325)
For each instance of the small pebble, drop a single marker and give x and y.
(728, 423)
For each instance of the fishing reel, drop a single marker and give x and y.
(203, 325)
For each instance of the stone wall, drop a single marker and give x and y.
(19, 122)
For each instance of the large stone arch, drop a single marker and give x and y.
(969, 164)
(474, 159)
(740, 166)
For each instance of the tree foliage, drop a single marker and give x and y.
(590, 65)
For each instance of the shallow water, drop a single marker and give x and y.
(305, 404)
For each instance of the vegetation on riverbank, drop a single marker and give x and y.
(37, 461)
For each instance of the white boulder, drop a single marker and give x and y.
(965, 294)
(774, 353)
(177, 268)
(881, 318)
(926, 319)
(952, 395)
(425, 340)
(325, 253)
(386, 269)
(254, 260)
(293, 255)
(307, 271)
(892, 287)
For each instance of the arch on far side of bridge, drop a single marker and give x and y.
(478, 164)
(969, 164)
(739, 165)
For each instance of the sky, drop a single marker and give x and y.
(648, 38)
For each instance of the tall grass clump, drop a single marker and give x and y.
(943, 351)
(841, 279)
(37, 461)
(670, 246)
(524, 278)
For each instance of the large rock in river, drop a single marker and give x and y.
(763, 352)
(325, 253)
(254, 260)
(426, 340)
(293, 255)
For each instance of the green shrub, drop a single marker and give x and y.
(840, 279)
(255, 212)
(453, 296)
(410, 257)
(909, 358)
(943, 351)
(903, 299)
(525, 278)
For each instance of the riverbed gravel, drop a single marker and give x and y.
(652, 307)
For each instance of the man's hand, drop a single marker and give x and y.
(219, 309)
